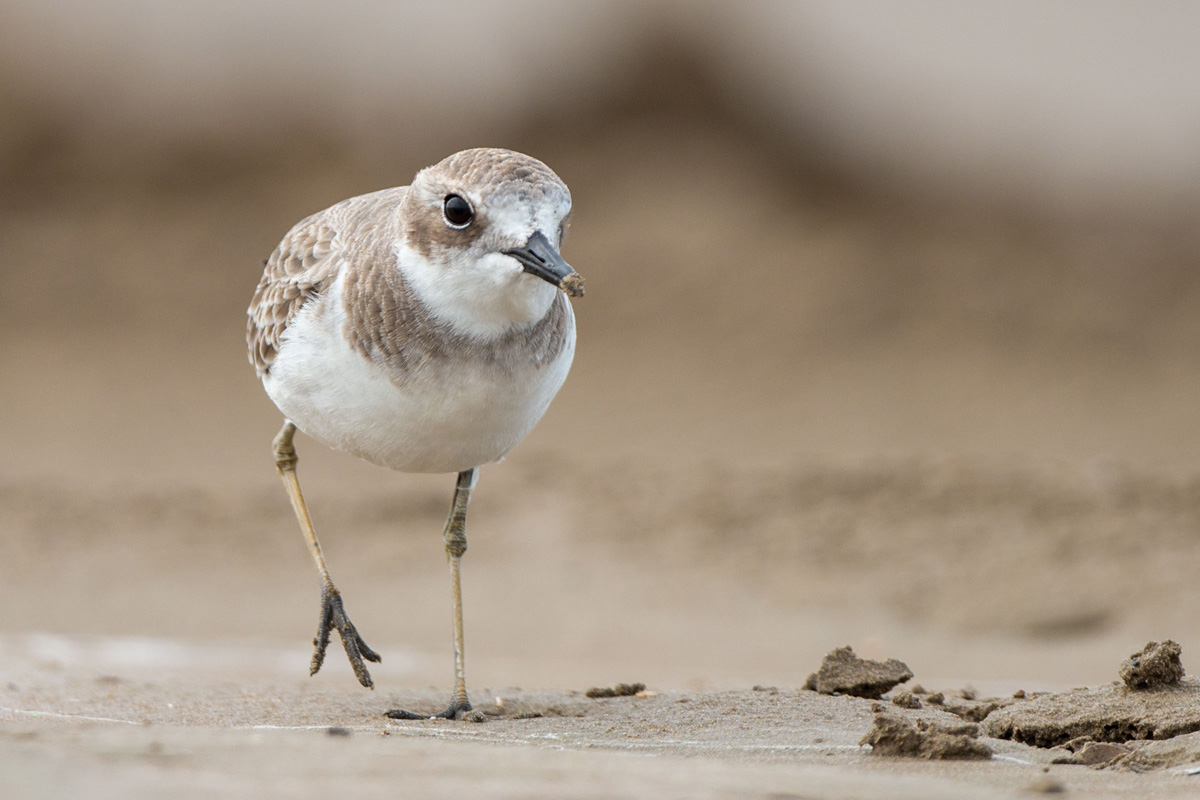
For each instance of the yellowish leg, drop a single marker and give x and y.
(333, 615)
(456, 544)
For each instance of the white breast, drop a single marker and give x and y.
(446, 417)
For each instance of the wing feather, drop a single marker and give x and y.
(304, 263)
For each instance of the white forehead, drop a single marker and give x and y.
(524, 214)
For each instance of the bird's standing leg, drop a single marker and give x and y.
(456, 544)
(332, 613)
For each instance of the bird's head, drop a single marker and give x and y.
(482, 229)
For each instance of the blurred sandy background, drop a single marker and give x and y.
(890, 339)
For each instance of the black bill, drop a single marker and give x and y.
(539, 258)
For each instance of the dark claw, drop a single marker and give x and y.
(457, 709)
(333, 615)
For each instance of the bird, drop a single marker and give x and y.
(426, 329)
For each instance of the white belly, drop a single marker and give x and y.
(447, 418)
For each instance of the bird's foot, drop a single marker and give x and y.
(333, 616)
(459, 709)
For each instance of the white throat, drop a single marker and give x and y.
(483, 298)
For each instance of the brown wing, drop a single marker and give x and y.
(305, 261)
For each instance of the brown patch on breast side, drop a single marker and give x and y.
(387, 323)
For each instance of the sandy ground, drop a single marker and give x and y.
(76, 727)
(964, 441)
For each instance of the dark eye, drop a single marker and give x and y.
(457, 210)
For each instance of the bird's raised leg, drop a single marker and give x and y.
(456, 544)
(333, 616)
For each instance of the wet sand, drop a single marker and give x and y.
(187, 731)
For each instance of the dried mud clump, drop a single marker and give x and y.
(572, 284)
(842, 672)
(895, 736)
(1112, 713)
(1155, 666)
(975, 710)
(1167, 754)
(1090, 753)
(620, 690)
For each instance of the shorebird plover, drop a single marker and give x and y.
(424, 328)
